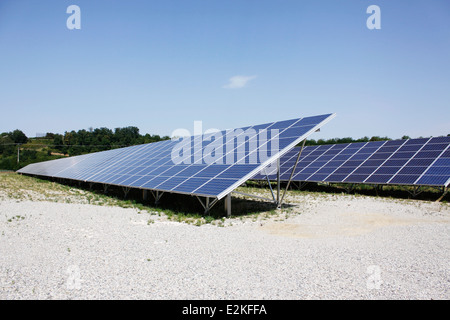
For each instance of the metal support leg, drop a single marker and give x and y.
(301, 185)
(417, 191)
(349, 188)
(292, 173)
(278, 180)
(208, 205)
(158, 197)
(144, 195)
(125, 192)
(271, 190)
(444, 192)
(228, 204)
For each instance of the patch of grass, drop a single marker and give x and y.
(16, 218)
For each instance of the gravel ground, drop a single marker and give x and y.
(326, 247)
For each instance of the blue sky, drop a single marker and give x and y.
(161, 65)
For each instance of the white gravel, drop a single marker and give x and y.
(329, 247)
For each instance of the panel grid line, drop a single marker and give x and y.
(422, 161)
(350, 158)
(328, 161)
(241, 144)
(420, 149)
(432, 163)
(398, 148)
(363, 161)
(306, 167)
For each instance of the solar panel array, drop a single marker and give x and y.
(424, 161)
(151, 166)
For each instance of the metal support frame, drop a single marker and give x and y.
(207, 205)
(349, 187)
(126, 190)
(298, 184)
(157, 196)
(105, 188)
(271, 190)
(279, 203)
(444, 192)
(275, 199)
(279, 181)
(302, 184)
(416, 191)
(228, 204)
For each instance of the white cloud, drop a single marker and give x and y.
(237, 82)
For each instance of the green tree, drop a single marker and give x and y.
(18, 136)
(378, 138)
(58, 142)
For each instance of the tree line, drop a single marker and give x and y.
(100, 139)
(312, 142)
(16, 145)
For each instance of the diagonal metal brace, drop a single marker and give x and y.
(207, 206)
(270, 185)
(445, 190)
(157, 196)
(292, 174)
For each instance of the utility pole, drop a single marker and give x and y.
(18, 153)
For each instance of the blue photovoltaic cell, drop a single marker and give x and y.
(343, 170)
(209, 165)
(423, 161)
(433, 180)
(364, 170)
(215, 186)
(442, 162)
(404, 179)
(317, 177)
(356, 178)
(387, 170)
(190, 184)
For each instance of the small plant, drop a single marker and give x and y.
(16, 218)
(209, 219)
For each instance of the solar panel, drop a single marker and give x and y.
(403, 162)
(210, 165)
